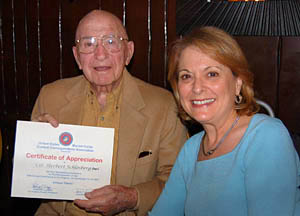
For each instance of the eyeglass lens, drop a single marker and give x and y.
(89, 44)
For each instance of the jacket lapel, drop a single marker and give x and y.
(131, 132)
(71, 112)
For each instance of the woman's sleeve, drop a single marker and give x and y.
(271, 171)
(172, 198)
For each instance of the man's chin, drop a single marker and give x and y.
(103, 83)
(109, 84)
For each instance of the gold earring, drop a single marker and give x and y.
(238, 99)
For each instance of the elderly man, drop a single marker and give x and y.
(148, 133)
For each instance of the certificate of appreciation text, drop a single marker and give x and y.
(60, 163)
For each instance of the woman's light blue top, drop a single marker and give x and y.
(260, 177)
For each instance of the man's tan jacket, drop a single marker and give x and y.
(148, 122)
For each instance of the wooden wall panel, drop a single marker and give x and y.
(158, 75)
(289, 83)
(2, 90)
(49, 16)
(2, 95)
(8, 70)
(117, 7)
(33, 52)
(5, 171)
(21, 68)
(139, 32)
(262, 54)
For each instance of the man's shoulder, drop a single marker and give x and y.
(65, 84)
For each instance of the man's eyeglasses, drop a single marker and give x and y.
(110, 42)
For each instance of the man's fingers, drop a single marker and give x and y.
(46, 117)
(89, 205)
(109, 199)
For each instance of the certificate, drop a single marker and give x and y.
(60, 163)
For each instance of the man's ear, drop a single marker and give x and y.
(129, 53)
(238, 85)
(76, 56)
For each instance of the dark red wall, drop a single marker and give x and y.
(275, 62)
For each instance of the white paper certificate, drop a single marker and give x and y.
(60, 163)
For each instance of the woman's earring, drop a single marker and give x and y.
(238, 99)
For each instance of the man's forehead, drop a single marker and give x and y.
(100, 23)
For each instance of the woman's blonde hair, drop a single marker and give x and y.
(221, 47)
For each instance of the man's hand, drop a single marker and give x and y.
(46, 118)
(109, 200)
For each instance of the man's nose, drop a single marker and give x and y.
(100, 51)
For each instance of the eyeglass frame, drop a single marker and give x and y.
(101, 38)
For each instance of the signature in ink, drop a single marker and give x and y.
(41, 187)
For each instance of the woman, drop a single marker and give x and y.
(243, 163)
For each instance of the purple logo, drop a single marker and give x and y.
(66, 138)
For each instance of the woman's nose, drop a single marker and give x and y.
(197, 86)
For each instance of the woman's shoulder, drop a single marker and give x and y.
(267, 130)
(267, 123)
(194, 140)
(191, 146)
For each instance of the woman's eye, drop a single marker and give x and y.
(213, 74)
(184, 76)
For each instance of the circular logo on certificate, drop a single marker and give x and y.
(66, 138)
